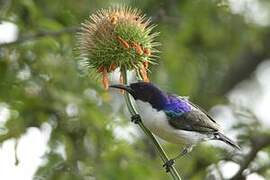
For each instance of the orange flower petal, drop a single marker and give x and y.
(147, 52)
(112, 67)
(138, 49)
(100, 69)
(122, 42)
(144, 74)
(133, 44)
(146, 64)
(114, 19)
(105, 79)
(121, 80)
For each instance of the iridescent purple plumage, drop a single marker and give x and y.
(173, 118)
(159, 100)
(177, 105)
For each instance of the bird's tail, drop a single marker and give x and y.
(222, 137)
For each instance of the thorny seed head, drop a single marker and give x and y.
(117, 37)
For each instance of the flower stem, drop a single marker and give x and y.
(157, 145)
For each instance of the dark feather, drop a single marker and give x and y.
(194, 120)
(222, 137)
(201, 109)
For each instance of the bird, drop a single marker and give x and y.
(174, 118)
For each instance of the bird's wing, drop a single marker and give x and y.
(192, 121)
(201, 109)
(195, 120)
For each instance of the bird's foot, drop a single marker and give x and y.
(136, 118)
(184, 152)
(168, 164)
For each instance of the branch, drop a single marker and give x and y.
(158, 147)
(258, 143)
(245, 65)
(41, 34)
(241, 70)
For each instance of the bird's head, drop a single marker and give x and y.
(146, 92)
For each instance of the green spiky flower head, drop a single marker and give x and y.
(117, 37)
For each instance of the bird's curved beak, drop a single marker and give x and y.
(124, 87)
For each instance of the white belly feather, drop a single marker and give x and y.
(157, 122)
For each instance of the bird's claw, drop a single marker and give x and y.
(168, 164)
(136, 118)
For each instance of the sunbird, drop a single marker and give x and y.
(174, 118)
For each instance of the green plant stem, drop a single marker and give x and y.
(157, 145)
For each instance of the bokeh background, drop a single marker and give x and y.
(57, 123)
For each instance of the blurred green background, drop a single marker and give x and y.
(211, 50)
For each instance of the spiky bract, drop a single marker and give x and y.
(117, 37)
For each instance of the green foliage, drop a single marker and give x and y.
(39, 80)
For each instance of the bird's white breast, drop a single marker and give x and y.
(158, 123)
